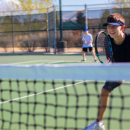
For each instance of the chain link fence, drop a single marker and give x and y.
(23, 31)
(39, 30)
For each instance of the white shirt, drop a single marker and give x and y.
(88, 38)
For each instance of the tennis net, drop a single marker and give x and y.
(62, 96)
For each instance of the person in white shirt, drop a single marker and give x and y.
(87, 44)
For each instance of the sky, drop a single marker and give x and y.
(80, 2)
(9, 5)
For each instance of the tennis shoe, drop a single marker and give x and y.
(83, 60)
(95, 60)
(95, 126)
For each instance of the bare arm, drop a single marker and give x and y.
(88, 42)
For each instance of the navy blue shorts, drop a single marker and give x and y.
(111, 85)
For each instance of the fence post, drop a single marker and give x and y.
(54, 18)
(99, 27)
(93, 30)
(61, 29)
(121, 6)
(48, 27)
(86, 17)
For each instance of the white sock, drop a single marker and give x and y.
(100, 123)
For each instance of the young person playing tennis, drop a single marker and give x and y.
(121, 53)
(87, 44)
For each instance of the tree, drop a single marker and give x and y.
(120, 3)
(122, 7)
(104, 16)
(80, 19)
(13, 5)
(34, 41)
(6, 24)
(35, 4)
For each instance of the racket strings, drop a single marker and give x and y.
(103, 48)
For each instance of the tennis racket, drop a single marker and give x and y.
(103, 47)
(83, 36)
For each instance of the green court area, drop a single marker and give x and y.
(45, 59)
(58, 104)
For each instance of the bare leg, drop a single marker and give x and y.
(83, 54)
(93, 53)
(103, 104)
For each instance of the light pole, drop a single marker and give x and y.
(61, 35)
(61, 45)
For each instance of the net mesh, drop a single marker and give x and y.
(60, 103)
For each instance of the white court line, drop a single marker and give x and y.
(50, 63)
(28, 62)
(44, 63)
(47, 91)
(40, 93)
(77, 61)
(70, 62)
(113, 81)
(55, 62)
(35, 61)
(80, 61)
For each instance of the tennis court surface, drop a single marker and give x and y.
(60, 92)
